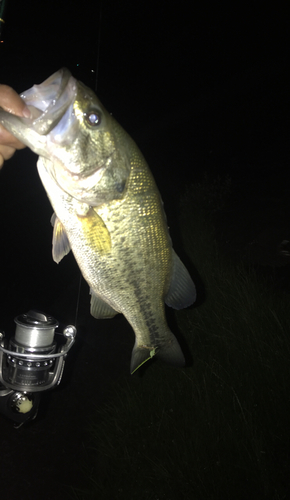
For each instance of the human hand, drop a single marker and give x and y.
(11, 102)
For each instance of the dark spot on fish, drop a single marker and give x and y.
(120, 186)
(154, 330)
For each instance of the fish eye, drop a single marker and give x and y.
(93, 119)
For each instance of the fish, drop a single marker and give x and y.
(107, 210)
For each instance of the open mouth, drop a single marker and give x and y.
(49, 100)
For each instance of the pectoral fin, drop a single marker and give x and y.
(96, 232)
(182, 292)
(60, 243)
(100, 309)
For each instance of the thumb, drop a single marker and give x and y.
(11, 102)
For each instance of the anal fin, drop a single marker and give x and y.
(99, 308)
(181, 292)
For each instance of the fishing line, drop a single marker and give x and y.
(78, 299)
(96, 85)
(98, 46)
(2, 14)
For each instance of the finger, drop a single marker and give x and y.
(7, 139)
(6, 152)
(11, 102)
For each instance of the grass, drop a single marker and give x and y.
(218, 429)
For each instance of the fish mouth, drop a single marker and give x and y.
(56, 125)
(49, 101)
(51, 106)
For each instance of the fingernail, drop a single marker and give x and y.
(26, 112)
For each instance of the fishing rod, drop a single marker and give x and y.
(2, 15)
(98, 47)
(96, 88)
(32, 360)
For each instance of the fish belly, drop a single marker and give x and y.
(131, 272)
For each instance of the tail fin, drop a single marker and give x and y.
(168, 351)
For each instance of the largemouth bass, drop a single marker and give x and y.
(108, 210)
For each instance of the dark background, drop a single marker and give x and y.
(197, 87)
(200, 89)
